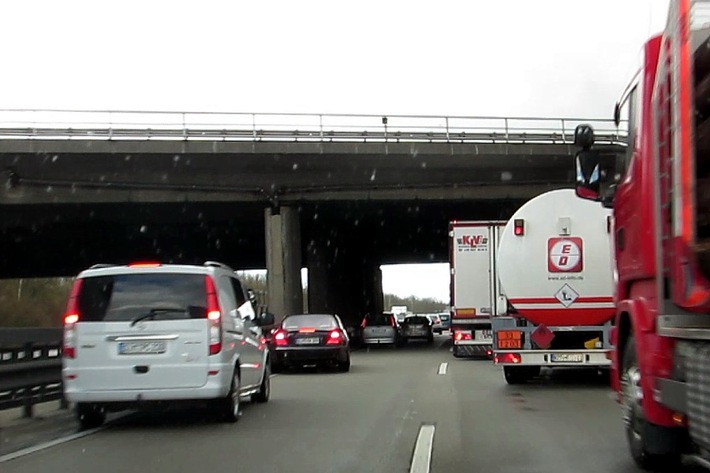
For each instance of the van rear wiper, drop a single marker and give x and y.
(153, 312)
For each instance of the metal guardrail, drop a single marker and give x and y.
(30, 367)
(139, 125)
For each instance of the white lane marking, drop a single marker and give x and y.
(46, 445)
(421, 458)
(443, 367)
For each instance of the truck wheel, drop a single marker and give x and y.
(638, 430)
(89, 416)
(520, 374)
(264, 392)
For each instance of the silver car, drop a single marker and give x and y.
(417, 327)
(379, 329)
(436, 324)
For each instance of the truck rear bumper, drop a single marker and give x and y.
(482, 349)
(579, 358)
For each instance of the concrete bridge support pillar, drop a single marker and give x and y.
(283, 261)
(342, 281)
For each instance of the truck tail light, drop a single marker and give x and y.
(460, 335)
(519, 227)
(71, 317)
(513, 358)
(214, 316)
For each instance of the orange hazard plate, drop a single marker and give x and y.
(509, 339)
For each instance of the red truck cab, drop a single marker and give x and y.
(659, 190)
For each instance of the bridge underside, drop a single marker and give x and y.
(340, 209)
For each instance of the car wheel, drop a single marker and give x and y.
(344, 366)
(430, 339)
(638, 429)
(89, 416)
(229, 405)
(264, 392)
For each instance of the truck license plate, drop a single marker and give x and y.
(567, 357)
(484, 335)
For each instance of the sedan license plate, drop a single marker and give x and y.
(567, 357)
(307, 341)
(141, 348)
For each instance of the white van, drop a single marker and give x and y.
(147, 332)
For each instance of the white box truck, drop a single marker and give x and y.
(475, 290)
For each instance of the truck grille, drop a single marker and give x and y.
(698, 373)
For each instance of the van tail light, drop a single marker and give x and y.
(71, 317)
(335, 337)
(460, 335)
(280, 338)
(364, 323)
(214, 316)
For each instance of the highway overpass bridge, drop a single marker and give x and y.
(338, 194)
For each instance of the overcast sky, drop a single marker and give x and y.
(549, 58)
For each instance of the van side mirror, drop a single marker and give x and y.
(265, 319)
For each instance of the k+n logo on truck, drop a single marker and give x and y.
(472, 243)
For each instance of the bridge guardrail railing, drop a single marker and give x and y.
(30, 367)
(135, 125)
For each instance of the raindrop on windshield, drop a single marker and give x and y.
(372, 176)
(295, 166)
(144, 229)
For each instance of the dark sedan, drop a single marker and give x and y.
(308, 339)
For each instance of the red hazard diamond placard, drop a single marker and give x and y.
(542, 336)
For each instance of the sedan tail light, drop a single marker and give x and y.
(335, 337)
(280, 338)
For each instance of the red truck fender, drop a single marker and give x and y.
(635, 318)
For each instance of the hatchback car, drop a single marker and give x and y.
(306, 339)
(436, 325)
(417, 327)
(380, 328)
(142, 334)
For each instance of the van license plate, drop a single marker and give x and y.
(141, 348)
(567, 357)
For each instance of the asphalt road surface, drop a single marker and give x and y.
(415, 409)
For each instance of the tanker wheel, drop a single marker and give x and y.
(638, 429)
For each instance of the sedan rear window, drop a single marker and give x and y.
(151, 296)
(294, 322)
(416, 320)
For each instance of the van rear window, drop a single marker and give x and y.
(153, 296)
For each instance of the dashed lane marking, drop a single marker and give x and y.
(421, 458)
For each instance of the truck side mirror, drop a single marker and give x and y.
(588, 174)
